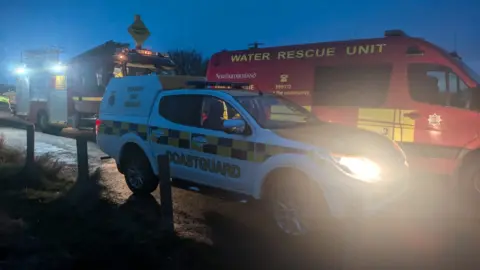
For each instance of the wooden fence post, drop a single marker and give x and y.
(30, 158)
(165, 193)
(82, 158)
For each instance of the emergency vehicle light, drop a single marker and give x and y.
(59, 68)
(145, 52)
(217, 85)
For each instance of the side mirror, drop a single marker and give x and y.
(234, 126)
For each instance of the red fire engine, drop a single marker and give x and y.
(414, 92)
(54, 96)
(89, 74)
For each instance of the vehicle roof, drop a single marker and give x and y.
(231, 92)
(396, 39)
(240, 93)
(393, 48)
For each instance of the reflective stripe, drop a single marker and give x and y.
(389, 122)
(405, 127)
(88, 98)
(225, 147)
(376, 120)
(60, 82)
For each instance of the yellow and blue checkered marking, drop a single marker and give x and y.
(121, 128)
(221, 146)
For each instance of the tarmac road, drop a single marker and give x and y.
(421, 232)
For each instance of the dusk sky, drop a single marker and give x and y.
(212, 25)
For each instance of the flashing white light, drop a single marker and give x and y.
(59, 68)
(360, 168)
(20, 70)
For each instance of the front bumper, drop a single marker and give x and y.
(372, 201)
(351, 198)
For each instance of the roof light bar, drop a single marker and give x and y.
(217, 85)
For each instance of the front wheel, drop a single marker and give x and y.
(296, 205)
(468, 189)
(138, 174)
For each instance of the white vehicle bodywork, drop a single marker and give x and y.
(342, 193)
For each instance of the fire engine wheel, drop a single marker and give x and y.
(138, 174)
(295, 205)
(468, 192)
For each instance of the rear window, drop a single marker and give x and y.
(359, 86)
(182, 109)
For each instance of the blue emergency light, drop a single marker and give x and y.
(217, 85)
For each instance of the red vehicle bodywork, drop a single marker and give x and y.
(290, 71)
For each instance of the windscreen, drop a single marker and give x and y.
(275, 112)
(474, 75)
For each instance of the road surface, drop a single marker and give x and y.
(419, 233)
(64, 149)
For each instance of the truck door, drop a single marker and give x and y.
(57, 102)
(22, 97)
(171, 135)
(437, 122)
(355, 96)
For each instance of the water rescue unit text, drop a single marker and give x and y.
(309, 53)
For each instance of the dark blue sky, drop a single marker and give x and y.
(213, 25)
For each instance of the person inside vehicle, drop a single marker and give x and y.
(215, 115)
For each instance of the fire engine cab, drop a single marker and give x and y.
(406, 88)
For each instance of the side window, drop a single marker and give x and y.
(433, 84)
(359, 86)
(214, 111)
(182, 109)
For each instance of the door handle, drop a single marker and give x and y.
(412, 115)
(199, 140)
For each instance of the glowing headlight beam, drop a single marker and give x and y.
(20, 70)
(361, 168)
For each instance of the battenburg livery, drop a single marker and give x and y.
(252, 145)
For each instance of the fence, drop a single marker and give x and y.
(164, 181)
(30, 130)
(83, 166)
(83, 175)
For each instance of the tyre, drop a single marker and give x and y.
(295, 205)
(468, 188)
(42, 121)
(138, 173)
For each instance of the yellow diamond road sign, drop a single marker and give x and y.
(139, 31)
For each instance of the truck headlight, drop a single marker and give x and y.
(360, 168)
(20, 70)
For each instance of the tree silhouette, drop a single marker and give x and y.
(189, 62)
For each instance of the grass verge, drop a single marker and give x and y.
(48, 220)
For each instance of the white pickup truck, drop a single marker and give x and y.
(249, 144)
